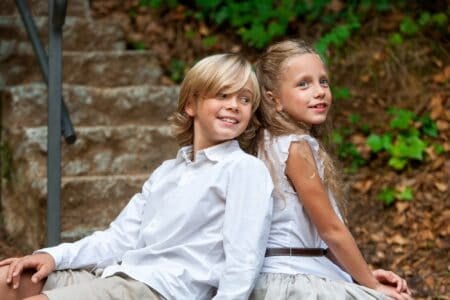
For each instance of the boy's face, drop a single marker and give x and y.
(220, 117)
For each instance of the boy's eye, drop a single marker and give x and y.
(244, 100)
(222, 96)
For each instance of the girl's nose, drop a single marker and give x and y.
(320, 91)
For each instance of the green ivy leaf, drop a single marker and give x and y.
(397, 163)
(396, 39)
(341, 93)
(429, 127)
(402, 118)
(408, 26)
(439, 149)
(440, 19)
(375, 143)
(424, 18)
(387, 195)
(406, 194)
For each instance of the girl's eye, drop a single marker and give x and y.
(324, 82)
(303, 84)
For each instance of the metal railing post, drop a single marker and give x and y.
(58, 118)
(54, 128)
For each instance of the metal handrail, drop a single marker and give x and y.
(58, 118)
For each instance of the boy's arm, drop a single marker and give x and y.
(106, 247)
(246, 228)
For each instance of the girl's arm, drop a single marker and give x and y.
(303, 174)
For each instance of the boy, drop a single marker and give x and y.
(199, 227)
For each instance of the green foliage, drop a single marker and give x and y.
(336, 37)
(138, 46)
(389, 195)
(411, 26)
(396, 39)
(158, 3)
(176, 69)
(408, 26)
(346, 150)
(340, 93)
(260, 22)
(209, 41)
(438, 149)
(405, 143)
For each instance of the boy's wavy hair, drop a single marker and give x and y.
(210, 76)
(268, 71)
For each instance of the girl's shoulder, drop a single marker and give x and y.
(283, 142)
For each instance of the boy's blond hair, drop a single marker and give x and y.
(216, 73)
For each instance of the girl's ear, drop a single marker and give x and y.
(189, 108)
(276, 101)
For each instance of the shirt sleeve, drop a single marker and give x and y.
(246, 229)
(104, 248)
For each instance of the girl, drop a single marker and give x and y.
(307, 230)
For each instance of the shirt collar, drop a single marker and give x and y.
(213, 153)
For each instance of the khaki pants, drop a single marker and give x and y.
(84, 285)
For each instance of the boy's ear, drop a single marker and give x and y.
(276, 101)
(189, 108)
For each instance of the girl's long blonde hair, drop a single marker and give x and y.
(269, 68)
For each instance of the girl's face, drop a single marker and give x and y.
(303, 90)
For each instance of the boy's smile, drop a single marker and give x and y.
(221, 117)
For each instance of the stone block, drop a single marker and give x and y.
(87, 203)
(26, 105)
(98, 150)
(99, 68)
(79, 8)
(78, 35)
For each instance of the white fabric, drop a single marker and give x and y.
(291, 226)
(195, 226)
(271, 286)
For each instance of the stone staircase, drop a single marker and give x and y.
(118, 110)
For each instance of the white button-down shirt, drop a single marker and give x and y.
(196, 228)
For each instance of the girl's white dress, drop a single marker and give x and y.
(299, 277)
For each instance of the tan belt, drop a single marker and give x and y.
(296, 252)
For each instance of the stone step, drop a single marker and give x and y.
(78, 35)
(101, 150)
(87, 203)
(97, 68)
(26, 105)
(79, 8)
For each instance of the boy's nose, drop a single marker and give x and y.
(232, 103)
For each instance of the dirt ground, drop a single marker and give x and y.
(408, 237)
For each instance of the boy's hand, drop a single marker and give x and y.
(392, 279)
(43, 263)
